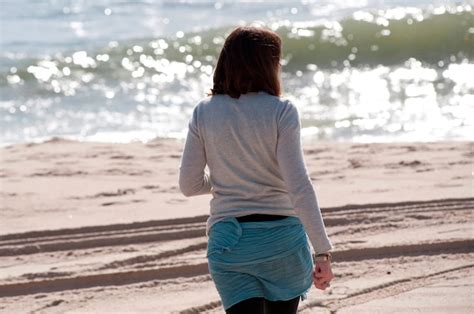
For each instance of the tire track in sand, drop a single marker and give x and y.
(129, 277)
(186, 228)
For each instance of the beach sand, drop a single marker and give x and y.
(99, 227)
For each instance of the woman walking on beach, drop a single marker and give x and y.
(264, 210)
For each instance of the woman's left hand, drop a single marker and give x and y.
(322, 274)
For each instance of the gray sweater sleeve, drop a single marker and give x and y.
(193, 180)
(297, 180)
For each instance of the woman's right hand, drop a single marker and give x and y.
(322, 274)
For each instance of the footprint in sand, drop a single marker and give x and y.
(405, 163)
(119, 192)
(380, 190)
(315, 151)
(156, 189)
(57, 173)
(176, 200)
(355, 163)
(122, 202)
(151, 187)
(128, 172)
(425, 170)
(156, 157)
(121, 157)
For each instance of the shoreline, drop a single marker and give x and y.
(306, 138)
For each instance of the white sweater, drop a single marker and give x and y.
(253, 150)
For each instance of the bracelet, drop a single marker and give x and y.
(322, 257)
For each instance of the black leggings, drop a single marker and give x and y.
(261, 305)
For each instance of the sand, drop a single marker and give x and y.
(99, 227)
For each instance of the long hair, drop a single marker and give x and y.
(249, 62)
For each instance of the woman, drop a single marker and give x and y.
(264, 208)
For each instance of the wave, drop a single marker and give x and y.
(358, 42)
(353, 41)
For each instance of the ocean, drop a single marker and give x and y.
(123, 71)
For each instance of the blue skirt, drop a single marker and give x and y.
(269, 259)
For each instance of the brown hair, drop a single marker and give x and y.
(248, 62)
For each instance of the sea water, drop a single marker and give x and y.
(121, 71)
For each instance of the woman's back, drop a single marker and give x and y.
(240, 139)
(252, 147)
